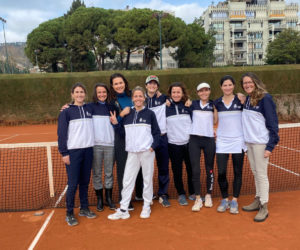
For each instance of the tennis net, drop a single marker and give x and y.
(33, 176)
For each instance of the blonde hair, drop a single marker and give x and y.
(259, 90)
(138, 88)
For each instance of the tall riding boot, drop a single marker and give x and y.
(108, 197)
(99, 194)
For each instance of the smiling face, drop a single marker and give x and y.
(152, 87)
(204, 94)
(118, 85)
(248, 85)
(227, 87)
(78, 96)
(176, 94)
(138, 99)
(101, 94)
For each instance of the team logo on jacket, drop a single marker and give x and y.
(157, 103)
(142, 120)
(88, 114)
(236, 106)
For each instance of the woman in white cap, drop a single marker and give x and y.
(202, 138)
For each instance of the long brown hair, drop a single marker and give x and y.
(185, 96)
(259, 90)
(103, 85)
(113, 94)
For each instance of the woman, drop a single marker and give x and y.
(120, 96)
(75, 143)
(104, 145)
(142, 135)
(157, 103)
(230, 140)
(178, 128)
(260, 125)
(202, 138)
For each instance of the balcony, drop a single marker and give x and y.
(276, 16)
(237, 17)
(238, 38)
(238, 27)
(239, 49)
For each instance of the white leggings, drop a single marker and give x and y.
(133, 164)
(259, 167)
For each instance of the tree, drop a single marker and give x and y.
(195, 47)
(285, 49)
(46, 43)
(75, 5)
(88, 29)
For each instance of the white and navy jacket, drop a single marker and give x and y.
(260, 123)
(141, 130)
(103, 130)
(158, 106)
(230, 137)
(203, 118)
(75, 128)
(178, 123)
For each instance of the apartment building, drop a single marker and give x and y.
(245, 27)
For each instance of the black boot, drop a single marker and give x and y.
(108, 197)
(99, 194)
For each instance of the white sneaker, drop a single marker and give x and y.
(145, 213)
(197, 205)
(119, 215)
(208, 201)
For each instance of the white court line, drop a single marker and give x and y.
(285, 169)
(30, 134)
(9, 137)
(41, 231)
(292, 149)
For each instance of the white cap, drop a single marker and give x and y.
(203, 85)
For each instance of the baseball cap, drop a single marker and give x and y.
(152, 78)
(203, 85)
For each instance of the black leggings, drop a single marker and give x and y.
(178, 154)
(237, 162)
(208, 145)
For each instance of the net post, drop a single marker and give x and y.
(50, 171)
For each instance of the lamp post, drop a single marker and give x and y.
(159, 16)
(4, 21)
(36, 51)
(70, 57)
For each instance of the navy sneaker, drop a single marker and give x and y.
(87, 213)
(163, 200)
(71, 220)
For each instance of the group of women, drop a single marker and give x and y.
(134, 127)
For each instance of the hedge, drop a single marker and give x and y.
(36, 98)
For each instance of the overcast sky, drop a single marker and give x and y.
(25, 15)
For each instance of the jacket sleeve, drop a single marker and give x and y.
(269, 112)
(62, 132)
(119, 128)
(155, 131)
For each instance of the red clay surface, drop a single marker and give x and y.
(168, 228)
(176, 227)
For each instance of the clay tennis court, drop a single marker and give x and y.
(175, 227)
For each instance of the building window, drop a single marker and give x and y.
(219, 15)
(257, 45)
(219, 37)
(218, 26)
(219, 46)
(291, 24)
(250, 14)
(219, 58)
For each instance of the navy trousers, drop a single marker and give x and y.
(162, 160)
(79, 173)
